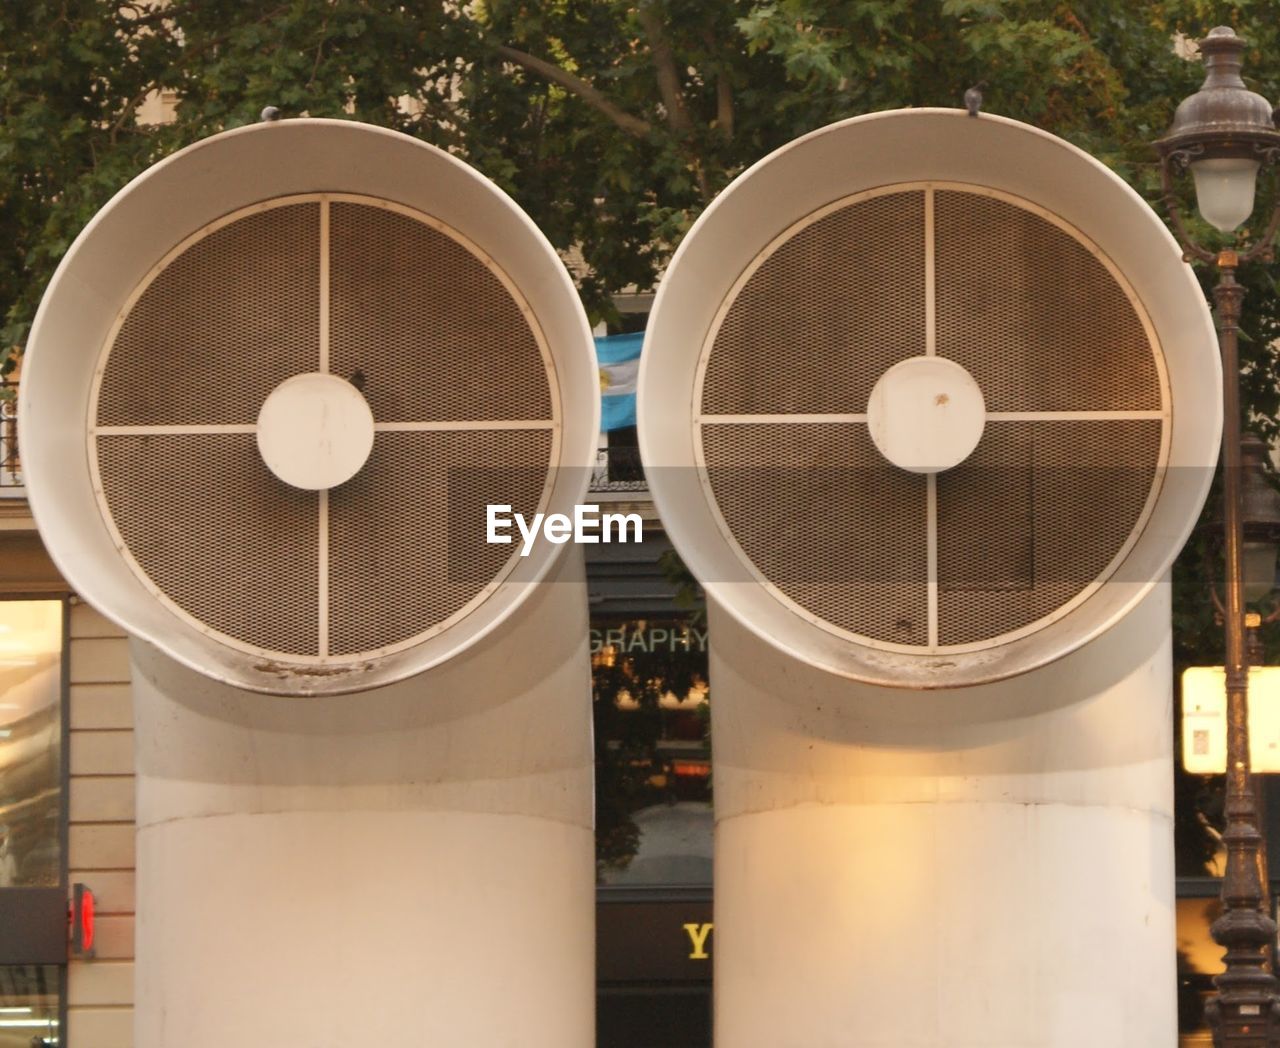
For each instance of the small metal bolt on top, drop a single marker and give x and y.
(973, 98)
(269, 115)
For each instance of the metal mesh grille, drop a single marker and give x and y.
(218, 534)
(1034, 516)
(825, 315)
(407, 545)
(221, 326)
(436, 337)
(1039, 510)
(1035, 318)
(827, 521)
(434, 333)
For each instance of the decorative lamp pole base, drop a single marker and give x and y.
(1241, 1023)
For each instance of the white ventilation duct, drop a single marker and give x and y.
(887, 243)
(236, 266)
(267, 398)
(929, 403)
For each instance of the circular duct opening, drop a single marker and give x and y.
(954, 401)
(309, 382)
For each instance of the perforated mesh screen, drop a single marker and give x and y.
(1034, 516)
(405, 296)
(217, 533)
(822, 318)
(430, 334)
(221, 326)
(407, 545)
(1044, 504)
(1035, 318)
(825, 519)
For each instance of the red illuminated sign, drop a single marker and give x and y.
(82, 908)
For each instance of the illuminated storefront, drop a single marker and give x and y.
(653, 801)
(33, 798)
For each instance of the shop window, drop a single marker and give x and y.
(653, 758)
(30, 998)
(33, 884)
(1199, 960)
(30, 744)
(654, 825)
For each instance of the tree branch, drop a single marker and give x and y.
(724, 94)
(668, 74)
(632, 125)
(130, 109)
(664, 64)
(724, 107)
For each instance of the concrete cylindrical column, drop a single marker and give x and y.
(990, 866)
(411, 865)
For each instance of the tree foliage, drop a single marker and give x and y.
(613, 123)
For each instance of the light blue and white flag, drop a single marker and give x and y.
(619, 357)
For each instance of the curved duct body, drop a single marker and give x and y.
(985, 866)
(268, 397)
(947, 407)
(414, 865)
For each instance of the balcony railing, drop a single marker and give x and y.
(10, 473)
(618, 469)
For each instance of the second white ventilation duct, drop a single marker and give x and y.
(928, 404)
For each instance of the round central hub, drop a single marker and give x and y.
(926, 414)
(315, 431)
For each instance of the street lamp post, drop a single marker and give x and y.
(1224, 134)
